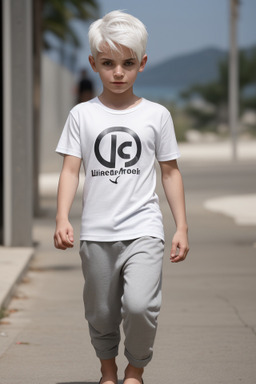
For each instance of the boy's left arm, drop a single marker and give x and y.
(174, 191)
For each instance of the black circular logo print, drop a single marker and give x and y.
(126, 147)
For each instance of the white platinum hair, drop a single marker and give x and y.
(118, 28)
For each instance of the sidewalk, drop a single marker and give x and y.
(218, 151)
(13, 266)
(207, 325)
(14, 261)
(237, 207)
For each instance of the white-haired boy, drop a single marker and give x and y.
(118, 136)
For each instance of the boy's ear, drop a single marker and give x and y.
(143, 63)
(92, 62)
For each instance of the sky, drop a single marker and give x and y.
(176, 27)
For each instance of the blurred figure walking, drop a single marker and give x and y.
(85, 91)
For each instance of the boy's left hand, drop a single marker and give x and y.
(180, 246)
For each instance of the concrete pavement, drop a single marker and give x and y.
(217, 151)
(13, 266)
(208, 321)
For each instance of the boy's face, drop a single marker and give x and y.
(117, 69)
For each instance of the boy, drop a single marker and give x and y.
(117, 136)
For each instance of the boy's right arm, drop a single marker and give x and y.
(68, 183)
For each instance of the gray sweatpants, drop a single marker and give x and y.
(123, 281)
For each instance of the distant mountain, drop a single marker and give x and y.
(183, 71)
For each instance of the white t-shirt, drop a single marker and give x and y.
(118, 149)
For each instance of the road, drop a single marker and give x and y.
(207, 326)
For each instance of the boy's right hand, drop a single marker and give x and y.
(64, 235)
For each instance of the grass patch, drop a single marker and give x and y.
(3, 313)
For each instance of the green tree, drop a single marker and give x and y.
(57, 17)
(248, 79)
(216, 92)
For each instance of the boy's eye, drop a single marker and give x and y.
(107, 63)
(128, 63)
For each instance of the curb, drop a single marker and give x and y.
(14, 263)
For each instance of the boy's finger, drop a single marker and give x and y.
(58, 242)
(69, 241)
(70, 236)
(182, 254)
(179, 255)
(63, 240)
(174, 250)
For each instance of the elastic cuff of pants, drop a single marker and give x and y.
(135, 362)
(107, 354)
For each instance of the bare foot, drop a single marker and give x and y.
(108, 381)
(133, 375)
(133, 381)
(109, 372)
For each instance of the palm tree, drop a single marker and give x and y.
(57, 16)
(53, 17)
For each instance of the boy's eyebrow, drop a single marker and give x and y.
(107, 58)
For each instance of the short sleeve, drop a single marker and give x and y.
(167, 147)
(69, 143)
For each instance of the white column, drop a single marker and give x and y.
(17, 111)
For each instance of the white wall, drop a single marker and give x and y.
(58, 97)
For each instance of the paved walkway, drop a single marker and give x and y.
(210, 321)
(218, 151)
(13, 265)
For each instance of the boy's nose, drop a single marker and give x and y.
(118, 72)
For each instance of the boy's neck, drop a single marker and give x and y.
(119, 101)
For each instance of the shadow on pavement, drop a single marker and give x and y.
(84, 382)
(56, 268)
(80, 382)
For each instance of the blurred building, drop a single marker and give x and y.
(58, 96)
(16, 133)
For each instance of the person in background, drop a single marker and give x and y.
(85, 91)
